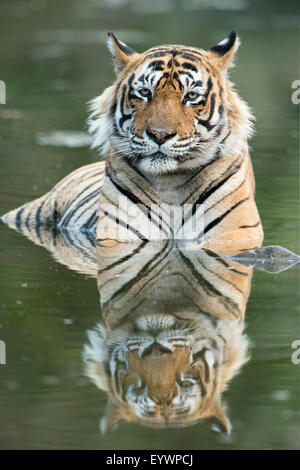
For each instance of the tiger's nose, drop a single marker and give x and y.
(160, 135)
(156, 350)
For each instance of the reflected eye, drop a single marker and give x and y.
(137, 388)
(192, 95)
(185, 383)
(145, 92)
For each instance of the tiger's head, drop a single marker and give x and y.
(163, 371)
(171, 108)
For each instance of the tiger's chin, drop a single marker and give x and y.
(159, 163)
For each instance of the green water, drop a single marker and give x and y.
(53, 60)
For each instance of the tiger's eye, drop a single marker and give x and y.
(185, 384)
(144, 91)
(137, 388)
(191, 95)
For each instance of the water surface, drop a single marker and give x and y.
(53, 63)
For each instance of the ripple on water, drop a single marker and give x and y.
(70, 139)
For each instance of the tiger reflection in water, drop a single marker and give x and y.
(172, 336)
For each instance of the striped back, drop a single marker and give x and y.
(72, 204)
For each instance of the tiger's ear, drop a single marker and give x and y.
(111, 419)
(223, 53)
(120, 52)
(219, 421)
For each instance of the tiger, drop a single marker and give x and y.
(172, 334)
(174, 132)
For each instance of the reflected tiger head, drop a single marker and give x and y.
(171, 107)
(161, 371)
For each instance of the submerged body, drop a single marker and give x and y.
(175, 133)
